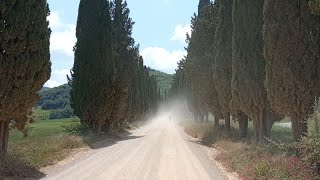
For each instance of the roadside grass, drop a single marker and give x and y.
(45, 144)
(273, 159)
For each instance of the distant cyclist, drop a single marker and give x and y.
(169, 118)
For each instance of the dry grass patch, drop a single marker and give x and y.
(272, 159)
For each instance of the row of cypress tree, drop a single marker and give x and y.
(253, 59)
(110, 84)
(24, 61)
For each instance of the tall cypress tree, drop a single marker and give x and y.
(249, 65)
(25, 61)
(123, 46)
(202, 5)
(93, 71)
(222, 70)
(199, 61)
(292, 60)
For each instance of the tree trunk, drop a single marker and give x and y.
(195, 116)
(1, 135)
(207, 117)
(263, 124)
(98, 129)
(227, 121)
(270, 123)
(243, 125)
(299, 128)
(216, 121)
(256, 125)
(4, 137)
(201, 117)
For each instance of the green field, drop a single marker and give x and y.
(42, 129)
(45, 144)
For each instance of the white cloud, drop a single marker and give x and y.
(63, 37)
(58, 77)
(52, 83)
(180, 32)
(54, 20)
(62, 72)
(64, 41)
(162, 59)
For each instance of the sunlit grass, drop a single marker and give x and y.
(45, 143)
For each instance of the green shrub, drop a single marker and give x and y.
(215, 134)
(309, 147)
(66, 112)
(76, 129)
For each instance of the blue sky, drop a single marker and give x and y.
(160, 28)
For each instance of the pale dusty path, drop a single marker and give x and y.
(159, 150)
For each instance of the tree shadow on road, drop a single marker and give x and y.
(109, 139)
(13, 167)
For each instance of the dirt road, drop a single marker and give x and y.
(159, 150)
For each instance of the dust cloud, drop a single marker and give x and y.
(174, 109)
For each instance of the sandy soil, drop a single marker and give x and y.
(159, 150)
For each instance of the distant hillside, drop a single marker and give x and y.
(44, 89)
(58, 98)
(57, 101)
(54, 98)
(164, 80)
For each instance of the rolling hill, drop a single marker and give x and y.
(58, 97)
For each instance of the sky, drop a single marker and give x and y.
(160, 30)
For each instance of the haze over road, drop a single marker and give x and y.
(159, 150)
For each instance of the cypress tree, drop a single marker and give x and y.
(93, 71)
(123, 46)
(292, 60)
(178, 85)
(202, 5)
(222, 70)
(25, 61)
(135, 104)
(249, 65)
(199, 61)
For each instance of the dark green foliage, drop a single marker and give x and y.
(124, 51)
(145, 94)
(24, 60)
(194, 75)
(136, 91)
(249, 66)
(202, 4)
(55, 98)
(265, 62)
(66, 112)
(44, 89)
(310, 146)
(164, 80)
(178, 85)
(93, 73)
(110, 84)
(292, 60)
(76, 129)
(222, 70)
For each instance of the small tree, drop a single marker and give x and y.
(310, 146)
(25, 61)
